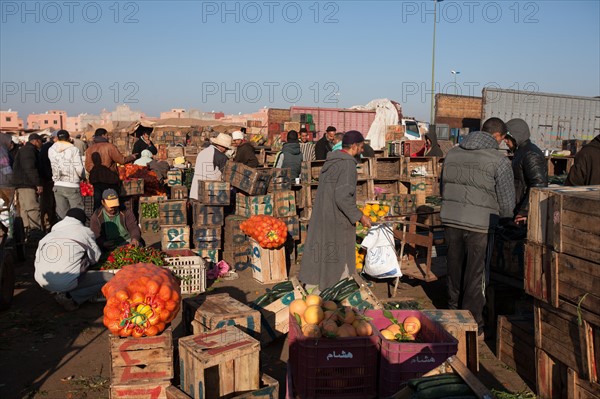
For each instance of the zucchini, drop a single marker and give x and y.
(451, 379)
(417, 382)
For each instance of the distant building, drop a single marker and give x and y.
(121, 113)
(74, 124)
(53, 119)
(179, 113)
(9, 120)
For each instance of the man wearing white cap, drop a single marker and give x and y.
(210, 162)
(244, 151)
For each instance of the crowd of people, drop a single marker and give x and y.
(481, 189)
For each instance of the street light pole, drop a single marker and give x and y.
(455, 85)
(431, 116)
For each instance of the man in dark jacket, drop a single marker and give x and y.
(290, 155)
(325, 144)
(109, 156)
(143, 142)
(114, 226)
(477, 190)
(27, 181)
(529, 167)
(330, 242)
(244, 153)
(586, 169)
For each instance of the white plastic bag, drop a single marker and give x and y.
(381, 260)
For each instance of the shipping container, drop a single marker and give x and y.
(342, 119)
(552, 118)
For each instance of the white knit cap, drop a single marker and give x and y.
(237, 135)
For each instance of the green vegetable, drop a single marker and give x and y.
(444, 391)
(431, 382)
(149, 210)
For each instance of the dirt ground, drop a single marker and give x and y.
(48, 353)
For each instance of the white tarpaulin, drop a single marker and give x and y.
(387, 113)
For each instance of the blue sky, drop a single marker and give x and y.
(241, 56)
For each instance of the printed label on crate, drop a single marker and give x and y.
(342, 354)
(210, 254)
(179, 192)
(214, 193)
(176, 237)
(150, 225)
(173, 212)
(293, 226)
(174, 178)
(132, 187)
(285, 203)
(208, 215)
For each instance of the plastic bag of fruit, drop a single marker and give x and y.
(269, 231)
(381, 260)
(141, 300)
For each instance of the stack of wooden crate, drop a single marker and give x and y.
(148, 216)
(562, 272)
(141, 367)
(209, 216)
(236, 245)
(173, 221)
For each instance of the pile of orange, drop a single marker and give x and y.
(360, 257)
(327, 319)
(406, 331)
(375, 211)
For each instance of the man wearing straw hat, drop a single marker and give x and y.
(210, 162)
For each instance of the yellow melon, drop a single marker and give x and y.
(314, 314)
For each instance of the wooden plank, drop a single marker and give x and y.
(462, 326)
(515, 345)
(268, 390)
(179, 192)
(173, 392)
(577, 278)
(149, 390)
(478, 388)
(538, 271)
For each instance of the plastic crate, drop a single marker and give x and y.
(190, 268)
(333, 368)
(402, 361)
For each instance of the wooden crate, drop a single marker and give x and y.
(212, 255)
(249, 180)
(386, 168)
(281, 179)
(515, 345)
(462, 326)
(132, 187)
(208, 237)
(284, 203)
(219, 363)
(508, 257)
(175, 237)
(141, 360)
(269, 266)
(559, 334)
(538, 271)
(430, 165)
(150, 225)
(422, 187)
(207, 215)
(577, 223)
(214, 193)
(557, 381)
(400, 204)
(147, 390)
(174, 178)
(540, 228)
(239, 258)
(172, 212)
(233, 236)
(293, 225)
(209, 312)
(191, 150)
(389, 187)
(278, 204)
(310, 171)
(576, 281)
(179, 192)
(411, 146)
(175, 152)
(269, 389)
(303, 229)
(275, 317)
(364, 190)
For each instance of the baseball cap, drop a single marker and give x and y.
(110, 198)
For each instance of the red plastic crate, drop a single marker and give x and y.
(344, 368)
(401, 361)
